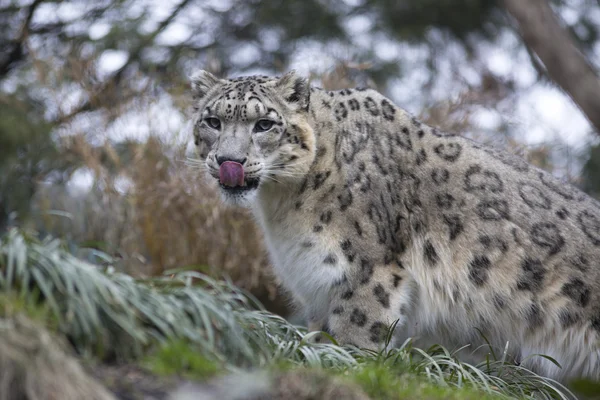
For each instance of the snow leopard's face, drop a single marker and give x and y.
(252, 131)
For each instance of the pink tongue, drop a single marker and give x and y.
(231, 174)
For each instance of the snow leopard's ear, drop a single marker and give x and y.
(202, 81)
(294, 89)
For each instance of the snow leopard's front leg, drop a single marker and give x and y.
(363, 309)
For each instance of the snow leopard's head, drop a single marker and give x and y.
(252, 131)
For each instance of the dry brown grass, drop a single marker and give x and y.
(346, 75)
(183, 223)
(169, 218)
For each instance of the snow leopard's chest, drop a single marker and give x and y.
(305, 266)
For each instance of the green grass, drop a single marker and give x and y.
(383, 382)
(181, 358)
(191, 325)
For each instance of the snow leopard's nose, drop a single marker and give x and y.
(221, 159)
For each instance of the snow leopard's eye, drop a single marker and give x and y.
(263, 125)
(213, 122)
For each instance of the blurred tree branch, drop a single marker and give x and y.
(17, 53)
(564, 62)
(134, 56)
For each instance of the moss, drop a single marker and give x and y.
(179, 357)
(385, 382)
(12, 305)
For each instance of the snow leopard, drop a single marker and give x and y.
(373, 220)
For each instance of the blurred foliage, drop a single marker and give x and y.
(591, 172)
(412, 19)
(27, 154)
(163, 42)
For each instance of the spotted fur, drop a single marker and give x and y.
(371, 217)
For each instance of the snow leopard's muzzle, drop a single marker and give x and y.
(232, 177)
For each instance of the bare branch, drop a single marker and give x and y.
(564, 63)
